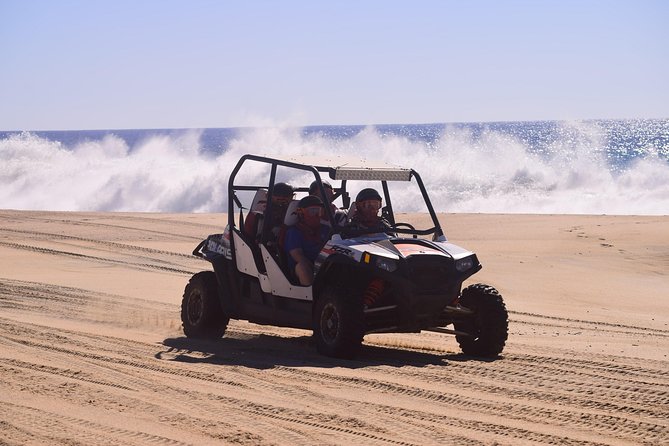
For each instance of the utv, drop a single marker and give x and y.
(403, 281)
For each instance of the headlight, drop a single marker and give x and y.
(465, 264)
(383, 263)
(386, 264)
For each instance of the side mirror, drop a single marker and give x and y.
(440, 238)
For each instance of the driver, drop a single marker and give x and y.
(366, 219)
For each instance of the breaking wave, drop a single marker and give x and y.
(466, 170)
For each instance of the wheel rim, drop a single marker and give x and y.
(329, 323)
(195, 307)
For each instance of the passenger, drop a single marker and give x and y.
(339, 215)
(315, 190)
(305, 239)
(282, 195)
(366, 219)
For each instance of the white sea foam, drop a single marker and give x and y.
(492, 172)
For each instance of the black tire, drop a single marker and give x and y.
(488, 326)
(339, 325)
(201, 312)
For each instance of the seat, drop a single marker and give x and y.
(259, 201)
(253, 226)
(291, 214)
(253, 223)
(289, 220)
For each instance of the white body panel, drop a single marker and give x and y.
(275, 281)
(244, 257)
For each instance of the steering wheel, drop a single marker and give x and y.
(410, 226)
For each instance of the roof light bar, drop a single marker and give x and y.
(363, 174)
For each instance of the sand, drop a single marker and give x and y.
(92, 352)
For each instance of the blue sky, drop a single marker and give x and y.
(69, 65)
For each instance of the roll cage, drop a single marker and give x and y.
(336, 168)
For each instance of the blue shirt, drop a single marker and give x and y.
(310, 245)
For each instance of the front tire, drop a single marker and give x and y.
(488, 327)
(338, 324)
(201, 313)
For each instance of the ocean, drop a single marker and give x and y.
(540, 167)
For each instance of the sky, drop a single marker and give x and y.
(124, 64)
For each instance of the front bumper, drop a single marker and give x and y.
(418, 295)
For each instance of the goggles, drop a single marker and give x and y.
(313, 211)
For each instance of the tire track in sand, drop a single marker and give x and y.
(104, 243)
(506, 368)
(283, 392)
(40, 424)
(132, 265)
(582, 324)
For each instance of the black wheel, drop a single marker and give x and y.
(201, 313)
(338, 323)
(489, 325)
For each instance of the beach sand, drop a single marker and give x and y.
(92, 352)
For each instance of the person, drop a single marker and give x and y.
(339, 215)
(315, 190)
(366, 219)
(282, 195)
(304, 240)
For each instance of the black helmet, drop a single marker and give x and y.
(283, 190)
(368, 194)
(309, 200)
(313, 187)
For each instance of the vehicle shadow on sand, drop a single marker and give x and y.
(268, 351)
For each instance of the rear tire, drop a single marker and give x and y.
(339, 325)
(488, 326)
(201, 313)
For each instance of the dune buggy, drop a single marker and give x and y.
(404, 281)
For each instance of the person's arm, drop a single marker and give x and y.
(298, 255)
(304, 269)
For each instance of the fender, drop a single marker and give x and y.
(324, 265)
